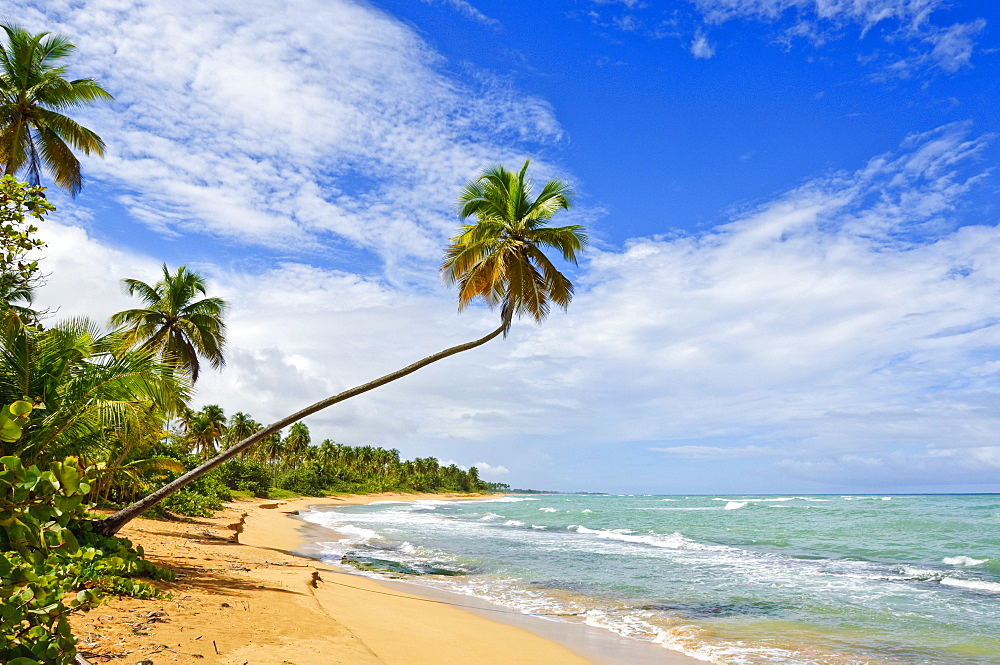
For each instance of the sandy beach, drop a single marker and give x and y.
(243, 596)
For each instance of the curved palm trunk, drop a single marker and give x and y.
(110, 525)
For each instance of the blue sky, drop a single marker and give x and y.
(793, 282)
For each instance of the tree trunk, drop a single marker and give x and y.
(110, 525)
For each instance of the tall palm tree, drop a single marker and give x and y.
(206, 428)
(297, 441)
(498, 258)
(174, 323)
(33, 95)
(240, 426)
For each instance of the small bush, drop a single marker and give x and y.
(305, 480)
(246, 475)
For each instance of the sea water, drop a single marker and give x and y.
(800, 580)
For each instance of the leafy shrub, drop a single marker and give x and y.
(126, 564)
(305, 480)
(41, 564)
(191, 504)
(247, 475)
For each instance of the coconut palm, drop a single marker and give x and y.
(33, 95)
(297, 441)
(240, 426)
(206, 428)
(174, 322)
(499, 258)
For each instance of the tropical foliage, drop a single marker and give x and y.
(21, 205)
(500, 257)
(176, 324)
(47, 571)
(34, 93)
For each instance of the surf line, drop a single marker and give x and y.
(316, 580)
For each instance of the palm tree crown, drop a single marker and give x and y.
(499, 258)
(174, 323)
(33, 94)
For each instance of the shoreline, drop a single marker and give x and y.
(247, 594)
(597, 645)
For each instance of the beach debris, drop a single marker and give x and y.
(316, 579)
(226, 605)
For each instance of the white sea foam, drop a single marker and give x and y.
(671, 541)
(887, 498)
(976, 585)
(586, 510)
(735, 505)
(962, 561)
(668, 499)
(513, 523)
(779, 499)
(548, 510)
(382, 503)
(535, 526)
(355, 534)
(489, 517)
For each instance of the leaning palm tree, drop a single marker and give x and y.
(174, 323)
(498, 258)
(33, 96)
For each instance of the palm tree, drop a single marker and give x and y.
(175, 324)
(240, 426)
(206, 428)
(498, 258)
(33, 95)
(297, 441)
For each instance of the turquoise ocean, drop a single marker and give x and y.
(798, 580)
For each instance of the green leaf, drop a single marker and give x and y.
(20, 409)
(69, 476)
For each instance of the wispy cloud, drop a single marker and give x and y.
(910, 41)
(468, 11)
(720, 452)
(700, 46)
(278, 124)
(927, 44)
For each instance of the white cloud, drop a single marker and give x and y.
(288, 124)
(948, 47)
(468, 11)
(700, 46)
(486, 469)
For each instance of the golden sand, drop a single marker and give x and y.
(243, 598)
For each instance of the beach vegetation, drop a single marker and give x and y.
(21, 207)
(35, 133)
(180, 322)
